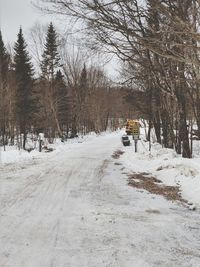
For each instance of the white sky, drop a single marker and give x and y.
(14, 13)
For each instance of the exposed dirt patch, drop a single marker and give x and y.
(155, 186)
(153, 211)
(145, 173)
(117, 163)
(117, 154)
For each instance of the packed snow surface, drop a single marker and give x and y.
(73, 208)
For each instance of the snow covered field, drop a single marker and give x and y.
(73, 208)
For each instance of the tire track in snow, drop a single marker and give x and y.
(24, 192)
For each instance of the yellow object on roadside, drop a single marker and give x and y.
(132, 127)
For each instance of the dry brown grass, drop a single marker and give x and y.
(117, 154)
(155, 186)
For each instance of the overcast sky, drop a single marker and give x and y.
(14, 13)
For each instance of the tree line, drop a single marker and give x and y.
(158, 44)
(66, 99)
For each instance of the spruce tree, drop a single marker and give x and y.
(83, 85)
(51, 59)
(49, 65)
(25, 104)
(4, 58)
(61, 99)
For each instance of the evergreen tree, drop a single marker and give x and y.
(51, 59)
(62, 99)
(83, 84)
(4, 58)
(25, 103)
(49, 66)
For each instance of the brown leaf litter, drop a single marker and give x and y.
(117, 154)
(155, 186)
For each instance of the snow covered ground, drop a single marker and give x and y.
(167, 166)
(73, 208)
(14, 155)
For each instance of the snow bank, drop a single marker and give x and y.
(165, 165)
(13, 155)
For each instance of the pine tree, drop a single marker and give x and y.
(62, 99)
(49, 66)
(51, 59)
(83, 85)
(4, 58)
(25, 104)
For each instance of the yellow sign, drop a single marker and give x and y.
(136, 131)
(133, 127)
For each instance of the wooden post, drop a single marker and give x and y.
(41, 138)
(40, 145)
(135, 140)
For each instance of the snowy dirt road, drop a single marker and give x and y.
(76, 210)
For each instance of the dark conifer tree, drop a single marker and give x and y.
(51, 59)
(83, 84)
(25, 103)
(49, 66)
(62, 99)
(4, 59)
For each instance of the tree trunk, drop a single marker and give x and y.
(167, 131)
(157, 126)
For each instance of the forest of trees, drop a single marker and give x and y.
(61, 96)
(158, 43)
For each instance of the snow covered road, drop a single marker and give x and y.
(74, 209)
